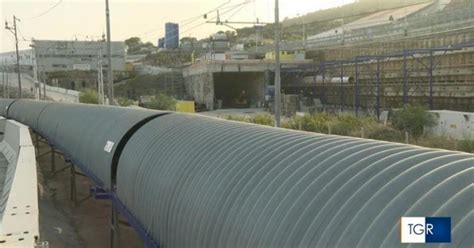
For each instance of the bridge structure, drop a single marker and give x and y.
(185, 180)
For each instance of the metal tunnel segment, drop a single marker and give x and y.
(196, 181)
(83, 131)
(27, 111)
(5, 105)
(192, 181)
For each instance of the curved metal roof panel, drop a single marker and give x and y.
(195, 181)
(91, 134)
(27, 111)
(4, 105)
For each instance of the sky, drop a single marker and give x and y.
(85, 19)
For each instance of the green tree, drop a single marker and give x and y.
(89, 96)
(162, 102)
(134, 44)
(133, 41)
(188, 39)
(413, 120)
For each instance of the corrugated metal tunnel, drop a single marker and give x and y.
(4, 105)
(201, 182)
(194, 181)
(83, 131)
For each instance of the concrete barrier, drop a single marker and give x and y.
(19, 225)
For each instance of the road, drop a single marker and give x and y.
(28, 85)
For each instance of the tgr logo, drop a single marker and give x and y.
(426, 230)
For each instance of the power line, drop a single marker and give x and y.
(47, 11)
(236, 12)
(228, 9)
(189, 21)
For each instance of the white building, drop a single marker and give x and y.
(55, 55)
(9, 58)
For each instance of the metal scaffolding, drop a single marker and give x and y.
(371, 67)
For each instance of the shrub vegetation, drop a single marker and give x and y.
(411, 120)
(88, 96)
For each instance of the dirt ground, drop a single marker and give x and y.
(65, 224)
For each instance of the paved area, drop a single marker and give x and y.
(234, 112)
(27, 83)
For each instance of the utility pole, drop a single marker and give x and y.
(43, 71)
(256, 39)
(100, 75)
(304, 29)
(277, 66)
(14, 31)
(110, 77)
(342, 26)
(405, 21)
(304, 33)
(4, 79)
(8, 84)
(34, 61)
(35, 72)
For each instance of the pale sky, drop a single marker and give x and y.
(142, 18)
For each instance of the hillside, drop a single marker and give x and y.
(323, 20)
(359, 8)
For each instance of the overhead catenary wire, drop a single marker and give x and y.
(184, 23)
(188, 21)
(196, 18)
(229, 9)
(46, 11)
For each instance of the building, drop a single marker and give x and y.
(161, 43)
(9, 58)
(190, 44)
(286, 55)
(219, 43)
(55, 55)
(74, 64)
(171, 35)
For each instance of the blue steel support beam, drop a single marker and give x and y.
(430, 79)
(323, 89)
(315, 74)
(356, 95)
(342, 87)
(83, 168)
(134, 222)
(378, 90)
(405, 79)
(405, 54)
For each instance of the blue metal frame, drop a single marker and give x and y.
(377, 81)
(405, 54)
(134, 222)
(102, 194)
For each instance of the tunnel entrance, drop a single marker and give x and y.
(239, 89)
